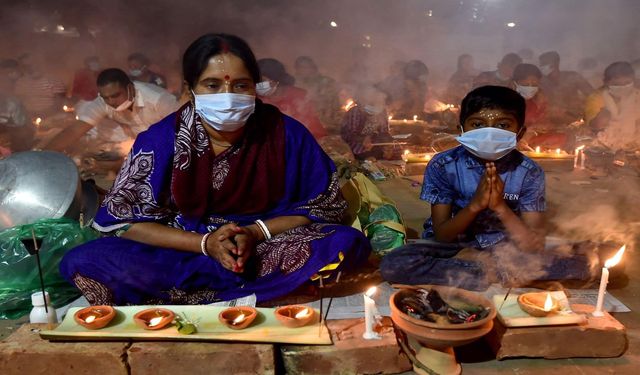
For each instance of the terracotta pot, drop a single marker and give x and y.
(533, 304)
(440, 336)
(289, 315)
(98, 316)
(239, 317)
(146, 318)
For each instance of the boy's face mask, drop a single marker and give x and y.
(488, 143)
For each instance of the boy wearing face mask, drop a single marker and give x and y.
(483, 194)
(613, 111)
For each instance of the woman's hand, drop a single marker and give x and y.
(232, 245)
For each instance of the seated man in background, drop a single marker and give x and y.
(502, 76)
(566, 90)
(613, 111)
(139, 70)
(487, 200)
(16, 131)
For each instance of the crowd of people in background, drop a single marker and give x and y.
(113, 105)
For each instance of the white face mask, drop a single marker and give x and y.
(488, 143)
(136, 72)
(527, 92)
(126, 104)
(546, 69)
(621, 91)
(225, 112)
(373, 110)
(266, 88)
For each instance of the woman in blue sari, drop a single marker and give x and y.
(224, 198)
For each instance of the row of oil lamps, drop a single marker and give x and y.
(96, 317)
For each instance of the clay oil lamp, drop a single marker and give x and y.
(538, 304)
(154, 318)
(239, 317)
(294, 316)
(95, 317)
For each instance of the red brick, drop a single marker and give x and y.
(603, 337)
(25, 353)
(350, 353)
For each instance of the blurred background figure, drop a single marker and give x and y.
(84, 80)
(527, 56)
(461, 82)
(414, 92)
(613, 110)
(591, 70)
(566, 90)
(501, 76)
(16, 130)
(40, 94)
(366, 123)
(139, 70)
(291, 100)
(322, 91)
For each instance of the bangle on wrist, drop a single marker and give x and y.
(263, 229)
(203, 244)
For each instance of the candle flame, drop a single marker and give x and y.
(405, 120)
(415, 117)
(38, 121)
(350, 104)
(302, 314)
(155, 321)
(427, 157)
(557, 151)
(90, 319)
(65, 108)
(548, 303)
(390, 118)
(537, 149)
(371, 291)
(239, 319)
(616, 258)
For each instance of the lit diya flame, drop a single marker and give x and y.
(90, 318)
(155, 321)
(558, 151)
(390, 118)
(406, 152)
(616, 258)
(548, 303)
(303, 314)
(537, 149)
(427, 157)
(38, 121)
(415, 117)
(239, 319)
(350, 104)
(371, 291)
(66, 108)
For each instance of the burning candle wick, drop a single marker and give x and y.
(548, 303)
(302, 314)
(90, 318)
(239, 319)
(155, 321)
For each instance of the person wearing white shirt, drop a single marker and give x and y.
(133, 105)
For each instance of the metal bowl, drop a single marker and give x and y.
(38, 185)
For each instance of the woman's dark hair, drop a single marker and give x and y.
(522, 71)
(493, 97)
(196, 57)
(618, 69)
(276, 71)
(113, 75)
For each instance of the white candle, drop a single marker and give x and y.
(581, 159)
(604, 280)
(575, 158)
(369, 315)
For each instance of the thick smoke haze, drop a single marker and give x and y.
(434, 31)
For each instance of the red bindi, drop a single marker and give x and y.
(226, 78)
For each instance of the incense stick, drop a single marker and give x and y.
(505, 298)
(320, 295)
(331, 298)
(37, 251)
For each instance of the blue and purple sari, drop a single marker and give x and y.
(172, 177)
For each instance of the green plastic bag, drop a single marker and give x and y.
(18, 268)
(384, 229)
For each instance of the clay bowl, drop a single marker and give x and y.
(287, 315)
(147, 319)
(442, 336)
(98, 316)
(533, 304)
(228, 317)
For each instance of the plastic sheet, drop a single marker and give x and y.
(18, 268)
